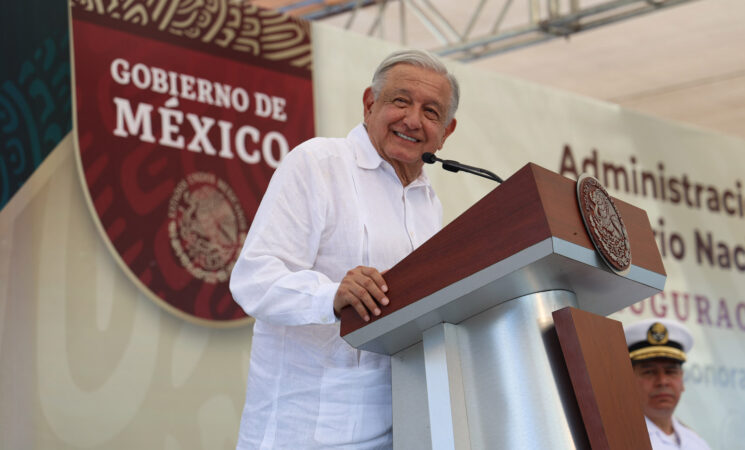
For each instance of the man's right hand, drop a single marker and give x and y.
(364, 289)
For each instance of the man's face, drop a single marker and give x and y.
(660, 385)
(409, 116)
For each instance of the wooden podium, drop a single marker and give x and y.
(496, 327)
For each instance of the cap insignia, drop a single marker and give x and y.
(657, 334)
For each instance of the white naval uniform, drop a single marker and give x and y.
(683, 438)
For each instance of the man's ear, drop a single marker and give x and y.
(367, 101)
(448, 131)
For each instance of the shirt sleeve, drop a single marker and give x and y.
(273, 279)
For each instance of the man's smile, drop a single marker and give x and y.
(403, 136)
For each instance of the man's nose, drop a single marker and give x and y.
(663, 379)
(413, 118)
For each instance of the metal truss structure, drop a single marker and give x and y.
(468, 30)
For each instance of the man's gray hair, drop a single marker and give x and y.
(418, 58)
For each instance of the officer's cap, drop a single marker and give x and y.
(657, 338)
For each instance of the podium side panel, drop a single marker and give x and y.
(596, 355)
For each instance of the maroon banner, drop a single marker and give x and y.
(181, 117)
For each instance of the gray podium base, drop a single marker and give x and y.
(494, 381)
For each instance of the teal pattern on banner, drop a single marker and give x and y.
(35, 98)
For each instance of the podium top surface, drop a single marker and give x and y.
(525, 236)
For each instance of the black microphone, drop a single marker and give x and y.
(455, 166)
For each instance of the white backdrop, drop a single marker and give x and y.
(504, 123)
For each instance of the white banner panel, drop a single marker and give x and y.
(688, 180)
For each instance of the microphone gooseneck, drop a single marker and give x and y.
(455, 166)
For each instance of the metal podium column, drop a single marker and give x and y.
(495, 380)
(445, 390)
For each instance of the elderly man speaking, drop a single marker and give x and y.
(336, 215)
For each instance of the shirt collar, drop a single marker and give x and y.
(652, 427)
(368, 158)
(365, 154)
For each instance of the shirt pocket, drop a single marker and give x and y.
(355, 405)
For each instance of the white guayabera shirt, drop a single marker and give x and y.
(332, 205)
